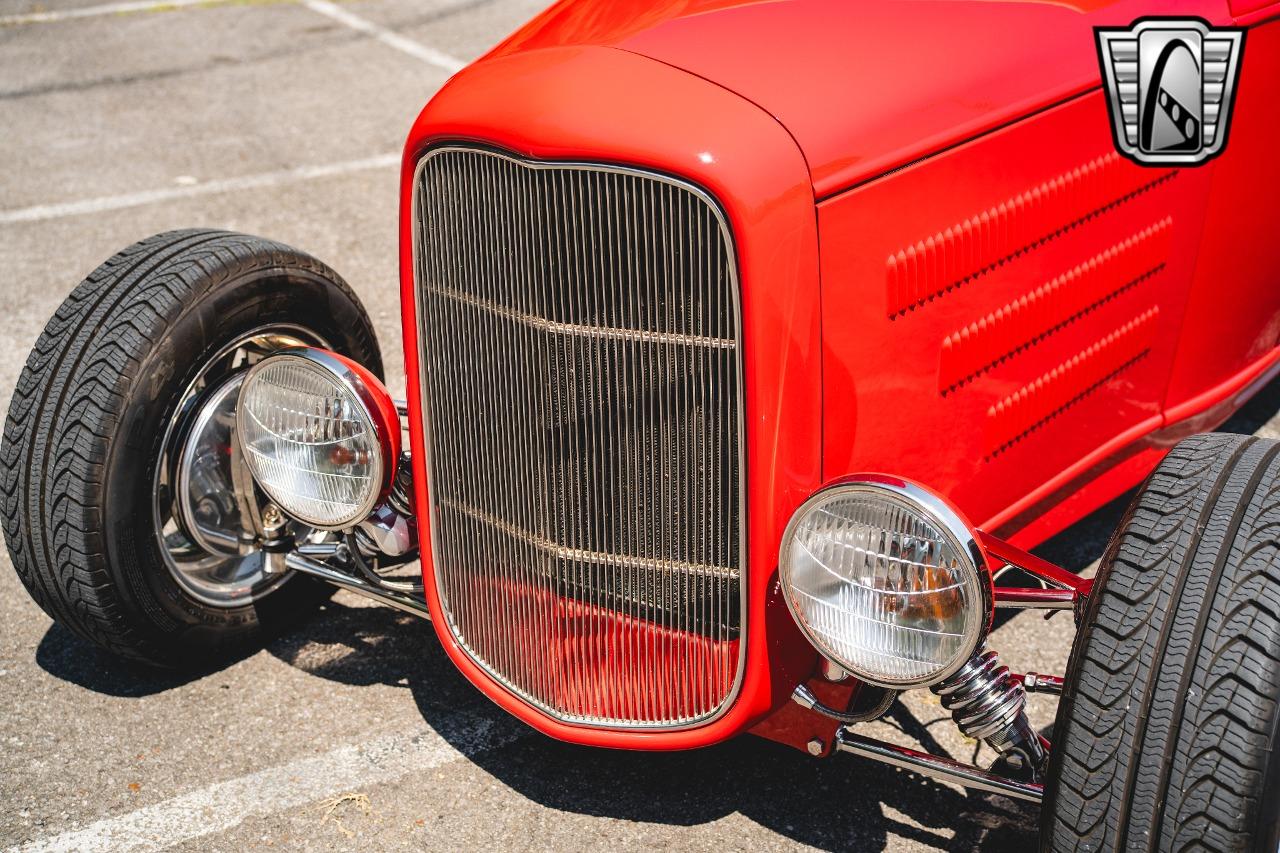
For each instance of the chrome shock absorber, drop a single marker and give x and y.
(391, 530)
(988, 703)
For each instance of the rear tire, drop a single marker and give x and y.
(83, 439)
(1166, 734)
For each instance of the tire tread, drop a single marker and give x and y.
(66, 411)
(1162, 737)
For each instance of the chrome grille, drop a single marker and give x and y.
(581, 378)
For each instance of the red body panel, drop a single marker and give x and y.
(1230, 324)
(1033, 307)
(1003, 308)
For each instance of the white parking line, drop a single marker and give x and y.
(246, 182)
(95, 11)
(429, 55)
(224, 805)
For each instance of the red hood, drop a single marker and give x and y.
(865, 87)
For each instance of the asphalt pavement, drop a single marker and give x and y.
(285, 119)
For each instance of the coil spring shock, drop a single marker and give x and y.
(389, 532)
(989, 704)
(401, 496)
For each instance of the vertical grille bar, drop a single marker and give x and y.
(582, 399)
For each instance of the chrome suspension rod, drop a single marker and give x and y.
(1034, 599)
(937, 767)
(406, 601)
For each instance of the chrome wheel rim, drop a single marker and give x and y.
(206, 509)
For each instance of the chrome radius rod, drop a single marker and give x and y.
(937, 767)
(407, 601)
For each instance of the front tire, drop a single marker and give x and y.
(86, 496)
(1166, 734)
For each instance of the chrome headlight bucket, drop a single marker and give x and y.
(886, 580)
(320, 434)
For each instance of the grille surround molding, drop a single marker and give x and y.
(497, 679)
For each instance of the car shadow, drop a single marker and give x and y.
(64, 655)
(841, 803)
(835, 804)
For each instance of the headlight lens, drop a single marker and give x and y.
(310, 439)
(883, 578)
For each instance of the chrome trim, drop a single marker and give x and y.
(578, 330)
(579, 555)
(351, 382)
(937, 767)
(731, 271)
(1031, 598)
(218, 568)
(948, 521)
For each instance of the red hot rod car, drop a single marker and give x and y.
(749, 344)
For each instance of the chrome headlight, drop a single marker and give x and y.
(314, 433)
(887, 581)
